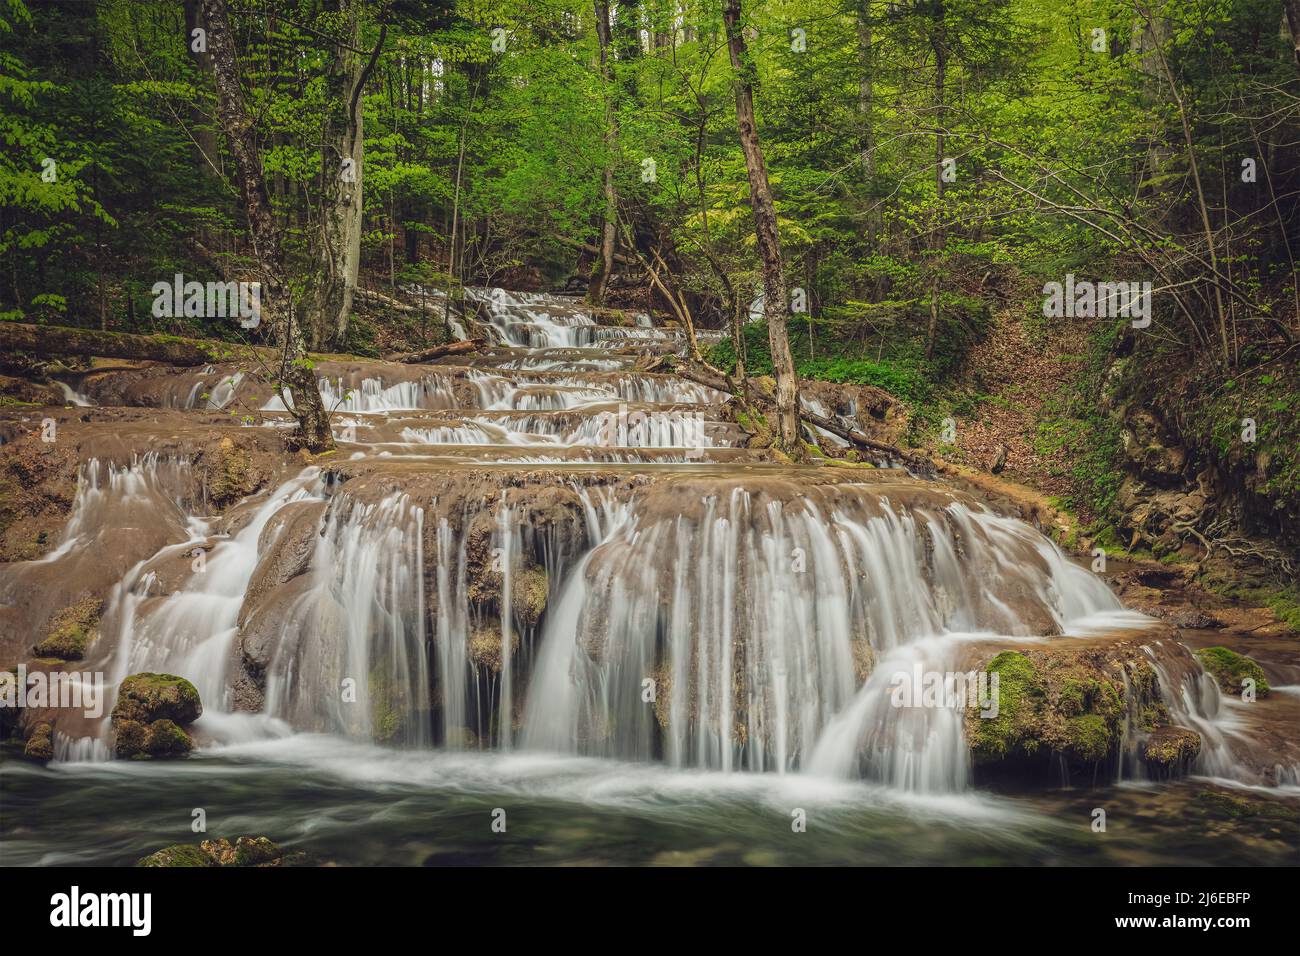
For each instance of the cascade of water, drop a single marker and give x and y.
(190, 631)
(353, 656)
(1195, 702)
(373, 395)
(72, 397)
(751, 625)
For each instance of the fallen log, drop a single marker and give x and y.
(430, 304)
(853, 435)
(58, 340)
(438, 351)
(724, 383)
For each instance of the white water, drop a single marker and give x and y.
(706, 625)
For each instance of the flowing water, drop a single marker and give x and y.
(551, 584)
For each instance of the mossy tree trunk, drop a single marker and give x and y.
(295, 370)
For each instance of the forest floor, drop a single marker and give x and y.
(1014, 374)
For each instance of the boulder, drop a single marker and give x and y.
(149, 716)
(71, 631)
(1229, 669)
(40, 745)
(148, 697)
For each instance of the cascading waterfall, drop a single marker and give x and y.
(729, 622)
(352, 656)
(191, 630)
(737, 634)
(1195, 702)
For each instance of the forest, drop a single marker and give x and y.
(656, 381)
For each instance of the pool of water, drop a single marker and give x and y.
(352, 803)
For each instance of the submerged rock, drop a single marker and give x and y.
(244, 852)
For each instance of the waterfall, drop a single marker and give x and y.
(737, 631)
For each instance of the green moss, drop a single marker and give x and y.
(1230, 669)
(1019, 693)
(1089, 737)
(530, 589)
(147, 697)
(178, 855)
(387, 707)
(1172, 747)
(71, 630)
(166, 739)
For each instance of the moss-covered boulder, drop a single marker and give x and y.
(1229, 669)
(71, 630)
(1056, 702)
(150, 714)
(166, 739)
(148, 697)
(40, 745)
(244, 852)
(1171, 750)
(130, 738)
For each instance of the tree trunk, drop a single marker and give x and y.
(1293, 24)
(342, 154)
(295, 371)
(775, 299)
(866, 95)
(605, 264)
(939, 41)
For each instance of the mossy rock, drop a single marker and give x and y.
(1229, 669)
(131, 739)
(244, 852)
(387, 707)
(1019, 691)
(1059, 701)
(40, 745)
(148, 697)
(178, 855)
(1172, 748)
(485, 645)
(167, 739)
(71, 631)
(231, 477)
(529, 589)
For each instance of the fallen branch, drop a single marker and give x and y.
(438, 351)
(853, 435)
(724, 383)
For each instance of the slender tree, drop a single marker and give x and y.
(776, 306)
(605, 263)
(295, 371)
(338, 242)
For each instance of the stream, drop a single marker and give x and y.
(549, 584)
